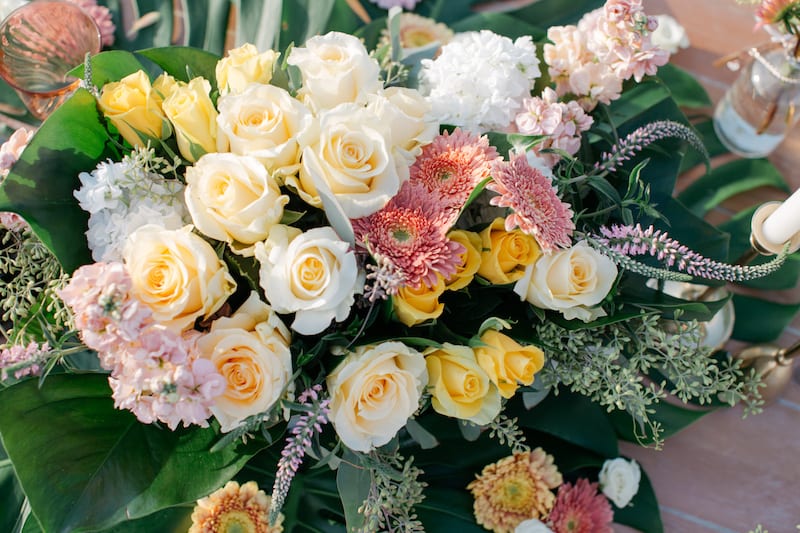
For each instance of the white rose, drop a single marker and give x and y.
(335, 68)
(176, 274)
(619, 480)
(373, 393)
(250, 349)
(263, 121)
(532, 526)
(232, 198)
(570, 281)
(350, 161)
(311, 274)
(407, 111)
(669, 35)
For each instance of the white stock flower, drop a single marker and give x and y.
(669, 35)
(311, 274)
(373, 393)
(264, 122)
(479, 80)
(619, 480)
(232, 198)
(570, 281)
(336, 68)
(532, 525)
(350, 162)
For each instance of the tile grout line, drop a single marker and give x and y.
(696, 520)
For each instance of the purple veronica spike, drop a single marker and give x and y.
(302, 433)
(648, 134)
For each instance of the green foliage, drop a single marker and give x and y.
(103, 466)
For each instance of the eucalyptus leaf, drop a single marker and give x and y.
(353, 482)
(672, 418)
(102, 465)
(422, 436)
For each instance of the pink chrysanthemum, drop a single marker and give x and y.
(538, 210)
(415, 244)
(453, 164)
(581, 509)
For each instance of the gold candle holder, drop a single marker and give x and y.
(40, 43)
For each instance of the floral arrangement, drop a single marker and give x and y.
(326, 268)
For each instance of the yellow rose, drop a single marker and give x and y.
(232, 198)
(416, 305)
(250, 349)
(194, 118)
(507, 362)
(164, 84)
(134, 108)
(373, 393)
(243, 66)
(176, 274)
(470, 259)
(505, 254)
(460, 387)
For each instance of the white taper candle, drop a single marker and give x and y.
(784, 223)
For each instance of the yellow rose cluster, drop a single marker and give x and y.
(468, 383)
(497, 255)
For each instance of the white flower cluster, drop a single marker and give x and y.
(479, 80)
(122, 197)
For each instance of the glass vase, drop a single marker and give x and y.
(760, 108)
(40, 43)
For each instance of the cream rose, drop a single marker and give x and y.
(250, 349)
(336, 68)
(532, 525)
(176, 274)
(507, 362)
(415, 305)
(619, 480)
(570, 281)
(264, 122)
(506, 254)
(373, 393)
(407, 111)
(460, 387)
(134, 108)
(350, 161)
(312, 274)
(190, 110)
(242, 66)
(232, 198)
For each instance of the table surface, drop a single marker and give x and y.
(725, 474)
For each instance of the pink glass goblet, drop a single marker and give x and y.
(40, 43)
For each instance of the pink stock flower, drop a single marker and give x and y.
(538, 210)
(581, 509)
(12, 149)
(23, 361)
(102, 17)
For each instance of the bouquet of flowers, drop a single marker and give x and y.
(402, 271)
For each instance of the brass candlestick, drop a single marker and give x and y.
(773, 363)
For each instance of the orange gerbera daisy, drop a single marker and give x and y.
(235, 508)
(514, 489)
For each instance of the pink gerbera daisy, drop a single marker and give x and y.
(538, 210)
(581, 509)
(412, 242)
(453, 164)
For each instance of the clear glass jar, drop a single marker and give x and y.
(760, 108)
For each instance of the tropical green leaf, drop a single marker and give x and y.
(171, 520)
(184, 63)
(300, 21)
(11, 496)
(445, 510)
(573, 418)
(40, 186)
(694, 232)
(634, 292)
(759, 320)
(684, 88)
(546, 13)
(499, 23)
(643, 512)
(672, 418)
(728, 180)
(705, 129)
(110, 66)
(101, 464)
